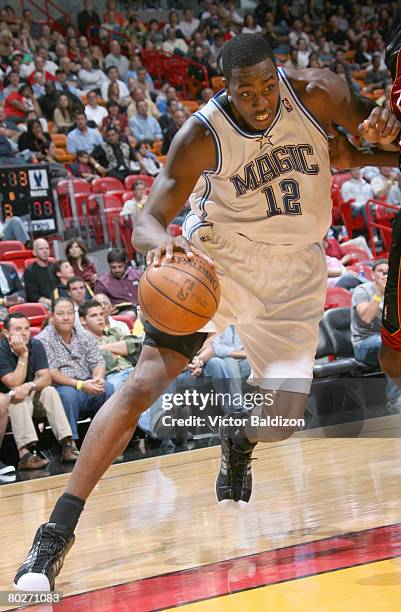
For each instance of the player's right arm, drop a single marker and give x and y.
(191, 153)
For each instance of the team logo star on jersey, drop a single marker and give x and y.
(265, 139)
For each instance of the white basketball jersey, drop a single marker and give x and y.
(272, 187)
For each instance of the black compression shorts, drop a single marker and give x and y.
(185, 345)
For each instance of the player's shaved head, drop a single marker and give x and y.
(243, 51)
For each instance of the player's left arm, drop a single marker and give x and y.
(330, 99)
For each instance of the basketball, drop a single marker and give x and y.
(181, 296)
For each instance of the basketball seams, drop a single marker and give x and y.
(146, 312)
(172, 267)
(196, 314)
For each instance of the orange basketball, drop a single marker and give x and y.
(179, 297)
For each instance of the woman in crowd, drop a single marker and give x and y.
(75, 252)
(63, 115)
(250, 26)
(34, 139)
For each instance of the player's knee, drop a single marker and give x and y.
(138, 393)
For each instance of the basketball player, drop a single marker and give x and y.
(255, 164)
(390, 351)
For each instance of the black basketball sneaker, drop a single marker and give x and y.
(45, 559)
(234, 481)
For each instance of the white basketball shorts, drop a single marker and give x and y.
(274, 295)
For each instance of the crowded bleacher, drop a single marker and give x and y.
(97, 100)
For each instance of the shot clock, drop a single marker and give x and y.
(26, 192)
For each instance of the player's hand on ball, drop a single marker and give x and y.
(171, 244)
(381, 127)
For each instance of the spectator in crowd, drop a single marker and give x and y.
(339, 276)
(228, 346)
(14, 80)
(394, 195)
(179, 118)
(112, 77)
(144, 126)
(376, 78)
(119, 351)
(68, 87)
(250, 26)
(76, 365)
(366, 315)
(114, 158)
(166, 120)
(19, 104)
(83, 266)
(115, 58)
(360, 191)
(88, 18)
(7, 127)
(366, 320)
(147, 160)
(34, 138)
(63, 114)
(84, 166)
(24, 373)
(39, 279)
(292, 61)
(11, 289)
(83, 138)
(39, 73)
(93, 111)
(175, 45)
(79, 292)
(7, 472)
(120, 284)
(138, 94)
(48, 102)
(62, 271)
(134, 206)
(144, 79)
(382, 182)
(90, 76)
(115, 118)
(362, 56)
(189, 23)
(108, 310)
(13, 229)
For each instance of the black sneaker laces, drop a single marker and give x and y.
(51, 545)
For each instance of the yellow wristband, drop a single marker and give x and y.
(377, 298)
(79, 384)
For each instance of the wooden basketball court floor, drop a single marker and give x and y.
(322, 532)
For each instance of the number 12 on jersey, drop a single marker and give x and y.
(290, 204)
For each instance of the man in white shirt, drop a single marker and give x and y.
(91, 77)
(112, 77)
(173, 43)
(188, 25)
(382, 183)
(114, 58)
(359, 190)
(297, 33)
(93, 110)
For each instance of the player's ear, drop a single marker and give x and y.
(225, 85)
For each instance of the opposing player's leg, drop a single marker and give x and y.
(390, 351)
(162, 358)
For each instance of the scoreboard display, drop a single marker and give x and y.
(26, 192)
